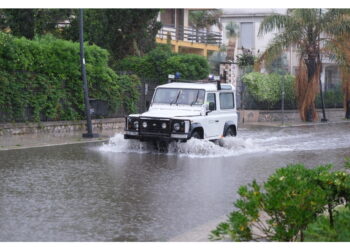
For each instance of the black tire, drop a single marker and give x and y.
(196, 134)
(230, 132)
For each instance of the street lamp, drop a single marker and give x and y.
(89, 133)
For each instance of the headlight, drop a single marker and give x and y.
(144, 124)
(163, 125)
(176, 126)
(136, 124)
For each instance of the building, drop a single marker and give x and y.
(183, 37)
(249, 21)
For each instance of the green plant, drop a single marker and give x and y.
(282, 208)
(333, 98)
(160, 62)
(321, 230)
(267, 88)
(245, 59)
(41, 79)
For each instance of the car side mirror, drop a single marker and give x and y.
(211, 106)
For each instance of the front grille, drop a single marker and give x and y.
(154, 126)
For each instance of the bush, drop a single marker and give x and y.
(282, 208)
(161, 62)
(43, 77)
(333, 98)
(321, 230)
(267, 88)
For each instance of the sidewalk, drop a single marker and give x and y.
(42, 140)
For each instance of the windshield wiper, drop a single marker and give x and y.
(195, 99)
(177, 97)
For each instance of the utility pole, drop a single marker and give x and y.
(283, 97)
(89, 133)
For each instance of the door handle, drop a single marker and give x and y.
(216, 120)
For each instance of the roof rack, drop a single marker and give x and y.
(211, 79)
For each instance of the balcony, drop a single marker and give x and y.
(189, 40)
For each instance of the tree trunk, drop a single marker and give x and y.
(307, 87)
(231, 49)
(331, 219)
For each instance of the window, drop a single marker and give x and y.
(211, 98)
(247, 35)
(179, 96)
(226, 101)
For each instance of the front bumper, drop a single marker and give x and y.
(157, 129)
(156, 137)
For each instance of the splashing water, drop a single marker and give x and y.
(247, 142)
(192, 148)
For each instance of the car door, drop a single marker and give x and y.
(227, 109)
(212, 122)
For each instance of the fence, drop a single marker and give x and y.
(189, 34)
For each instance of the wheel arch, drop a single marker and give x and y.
(230, 124)
(197, 127)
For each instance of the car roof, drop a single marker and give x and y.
(195, 85)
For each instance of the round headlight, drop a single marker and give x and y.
(163, 125)
(136, 124)
(144, 124)
(177, 126)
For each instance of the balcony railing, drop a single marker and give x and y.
(190, 34)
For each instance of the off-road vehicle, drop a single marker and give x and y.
(180, 111)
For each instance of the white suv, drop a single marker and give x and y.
(180, 111)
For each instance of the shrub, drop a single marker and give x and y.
(267, 88)
(333, 98)
(282, 208)
(160, 62)
(321, 230)
(43, 77)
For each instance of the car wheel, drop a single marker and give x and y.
(230, 132)
(196, 135)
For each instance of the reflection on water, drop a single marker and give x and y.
(126, 191)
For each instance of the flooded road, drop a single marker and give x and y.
(125, 191)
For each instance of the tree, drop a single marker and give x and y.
(309, 30)
(341, 47)
(121, 31)
(204, 19)
(31, 22)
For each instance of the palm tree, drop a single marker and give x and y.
(311, 31)
(232, 34)
(341, 48)
(201, 19)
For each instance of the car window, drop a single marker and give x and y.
(211, 97)
(179, 96)
(226, 101)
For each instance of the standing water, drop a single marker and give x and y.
(125, 191)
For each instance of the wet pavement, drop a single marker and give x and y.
(126, 191)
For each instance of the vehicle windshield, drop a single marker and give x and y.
(179, 96)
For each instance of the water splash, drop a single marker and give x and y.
(247, 142)
(192, 148)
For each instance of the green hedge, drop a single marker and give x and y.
(160, 62)
(44, 77)
(267, 88)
